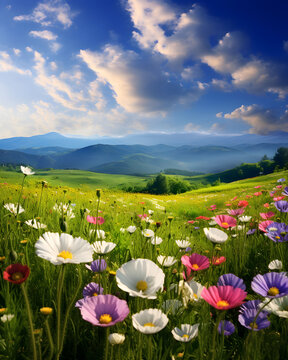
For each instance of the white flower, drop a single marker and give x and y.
(245, 218)
(103, 247)
(35, 224)
(122, 230)
(171, 306)
(186, 333)
(7, 317)
(275, 265)
(148, 233)
(13, 208)
(149, 321)
(64, 209)
(160, 207)
(150, 212)
(215, 235)
(166, 261)
(63, 249)
(99, 235)
(140, 277)
(183, 244)
(26, 170)
(156, 240)
(116, 338)
(278, 306)
(131, 229)
(190, 290)
(212, 222)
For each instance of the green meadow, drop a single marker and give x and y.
(76, 205)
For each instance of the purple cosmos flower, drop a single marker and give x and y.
(92, 289)
(97, 265)
(247, 319)
(277, 232)
(281, 180)
(281, 205)
(232, 280)
(226, 328)
(251, 232)
(188, 249)
(271, 285)
(285, 192)
(251, 305)
(104, 310)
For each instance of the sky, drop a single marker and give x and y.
(119, 67)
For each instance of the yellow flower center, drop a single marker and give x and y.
(141, 285)
(273, 291)
(253, 325)
(46, 310)
(222, 303)
(17, 276)
(195, 266)
(277, 237)
(149, 324)
(65, 254)
(195, 296)
(186, 336)
(2, 310)
(105, 319)
(95, 294)
(225, 224)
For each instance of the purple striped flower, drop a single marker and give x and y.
(104, 310)
(285, 192)
(281, 205)
(277, 232)
(92, 289)
(271, 285)
(226, 328)
(232, 280)
(249, 320)
(97, 265)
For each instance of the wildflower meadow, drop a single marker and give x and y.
(109, 275)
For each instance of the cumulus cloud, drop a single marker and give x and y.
(44, 34)
(49, 13)
(6, 65)
(262, 121)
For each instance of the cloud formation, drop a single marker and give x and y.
(6, 64)
(45, 34)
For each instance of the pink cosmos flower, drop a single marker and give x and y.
(95, 220)
(212, 207)
(195, 262)
(243, 203)
(236, 212)
(191, 221)
(257, 187)
(266, 205)
(248, 196)
(278, 198)
(142, 216)
(225, 221)
(279, 186)
(235, 197)
(264, 224)
(267, 215)
(218, 260)
(258, 193)
(224, 297)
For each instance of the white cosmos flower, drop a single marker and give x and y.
(62, 249)
(156, 240)
(215, 235)
(116, 338)
(278, 306)
(149, 321)
(148, 233)
(166, 261)
(186, 333)
(26, 170)
(183, 244)
(13, 208)
(131, 229)
(100, 233)
(103, 247)
(245, 218)
(190, 290)
(140, 277)
(7, 317)
(275, 265)
(35, 224)
(171, 306)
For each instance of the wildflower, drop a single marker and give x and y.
(285, 192)
(190, 290)
(281, 180)
(149, 321)
(16, 273)
(251, 305)
(275, 265)
(13, 208)
(183, 244)
(231, 280)
(148, 233)
(2, 310)
(277, 232)
(62, 249)
(186, 333)
(224, 297)
(267, 216)
(247, 319)
(226, 328)
(236, 212)
(35, 224)
(225, 221)
(131, 229)
(116, 338)
(7, 317)
(218, 260)
(245, 218)
(103, 247)
(26, 170)
(270, 285)
(97, 265)
(281, 205)
(250, 231)
(95, 220)
(201, 217)
(195, 262)
(104, 310)
(166, 261)
(100, 234)
(156, 240)
(278, 306)
(215, 235)
(258, 193)
(64, 209)
(140, 277)
(243, 203)
(264, 224)
(46, 310)
(92, 289)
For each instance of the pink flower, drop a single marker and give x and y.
(266, 205)
(224, 297)
(278, 198)
(257, 193)
(95, 220)
(236, 212)
(195, 262)
(218, 260)
(243, 203)
(267, 215)
(142, 216)
(190, 221)
(212, 207)
(279, 186)
(225, 221)
(235, 197)
(257, 187)
(263, 225)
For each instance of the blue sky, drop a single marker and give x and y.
(118, 67)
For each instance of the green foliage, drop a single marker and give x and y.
(281, 157)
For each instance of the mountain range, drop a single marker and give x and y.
(54, 150)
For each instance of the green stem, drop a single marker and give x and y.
(33, 343)
(59, 298)
(106, 344)
(21, 191)
(50, 339)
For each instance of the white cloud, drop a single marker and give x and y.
(55, 46)
(262, 121)
(219, 115)
(28, 49)
(17, 52)
(48, 13)
(44, 34)
(6, 65)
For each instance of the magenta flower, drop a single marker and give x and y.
(264, 224)
(225, 221)
(104, 310)
(236, 212)
(95, 220)
(195, 262)
(224, 297)
(267, 216)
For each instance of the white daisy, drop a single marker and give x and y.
(140, 277)
(183, 244)
(190, 290)
(116, 338)
(186, 333)
(215, 235)
(26, 170)
(35, 224)
(166, 261)
(245, 218)
(103, 247)
(149, 321)
(13, 208)
(156, 240)
(275, 265)
(148, 233)
(131, 229)
(62, 249)
(99, 235)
